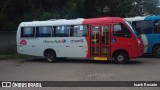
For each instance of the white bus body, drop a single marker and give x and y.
(63, 46)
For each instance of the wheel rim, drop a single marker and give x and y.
(120, 58)
(50, 57)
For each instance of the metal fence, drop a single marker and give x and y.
(7, 42)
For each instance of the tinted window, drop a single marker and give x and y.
(79, 31)
(157, 27)
(143, 27)
(95, 34)
(43, 31)
(27, 31)
(62, 31)
(121, 30)
(105, 34)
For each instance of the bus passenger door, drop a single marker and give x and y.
(100, 42)
(105, 41)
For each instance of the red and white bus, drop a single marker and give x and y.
(96, 38)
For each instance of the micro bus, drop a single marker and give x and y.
(95, 38)
(149, 29)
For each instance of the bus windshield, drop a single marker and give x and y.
(133, 30)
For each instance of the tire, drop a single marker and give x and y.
(50, 57)
(121, 58)
(156, 51)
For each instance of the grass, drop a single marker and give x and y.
(14, 56)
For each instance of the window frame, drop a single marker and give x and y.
(55, 30)
(142, 28)
(35, 30)
(72, 30)
(126, 34)
(44, 36)
(155, 27)
(22, 35)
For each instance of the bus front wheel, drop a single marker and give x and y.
(121, 58)
(50, 57)
(156, 51)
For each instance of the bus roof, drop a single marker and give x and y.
(152, 18)
(103, 20)
(143, 18)
(52, 23)
(73, 21)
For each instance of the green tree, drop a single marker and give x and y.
(99, 8)
(12, 12)
(145, 7)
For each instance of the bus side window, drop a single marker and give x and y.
(62, 31)
(43, 31)
(54, 31)
(134, 25)
(27, 32)
(121, 30)
(157, 27)
(85, 30)
(105, 34)
(143, 27)
(79, 30)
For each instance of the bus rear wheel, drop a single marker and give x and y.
(50, 57)
(156, 51)
(121, 58)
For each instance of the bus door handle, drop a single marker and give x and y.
(80, 46)
(67, 46)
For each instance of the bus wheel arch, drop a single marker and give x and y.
(121, 56)
(50, 55)
(156, 50)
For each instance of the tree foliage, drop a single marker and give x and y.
(145, 7)
(12, 12)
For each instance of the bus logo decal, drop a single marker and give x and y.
(55, 41)
(77, 41)
(61, 41)
(114, 40)
(23, 42)
(64, 40)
